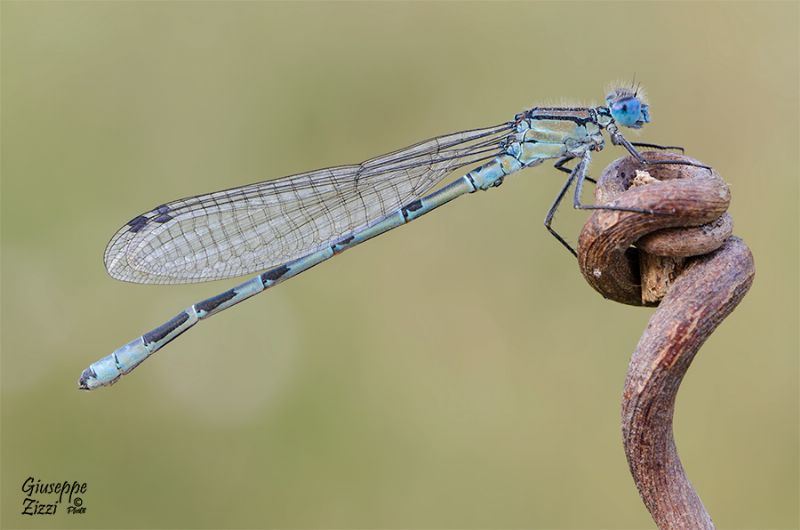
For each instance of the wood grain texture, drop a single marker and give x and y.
(683, 252)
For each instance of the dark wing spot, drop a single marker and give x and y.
(137, 223)
(163, 218)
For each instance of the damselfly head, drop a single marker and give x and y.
(628, 108)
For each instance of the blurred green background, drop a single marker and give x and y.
(457, 372)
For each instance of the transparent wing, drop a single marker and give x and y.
(248, 229)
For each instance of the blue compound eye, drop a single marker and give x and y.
(628, 112)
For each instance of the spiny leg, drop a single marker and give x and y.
(618, 139)
(578, 172)
(560, 166)
(548, 220)
(576, 198)
(658, 146)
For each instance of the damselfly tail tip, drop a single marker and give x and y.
(89, 380)
(88, 377)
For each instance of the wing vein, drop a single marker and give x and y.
(254, 227)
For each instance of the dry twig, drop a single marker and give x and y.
(684, 250)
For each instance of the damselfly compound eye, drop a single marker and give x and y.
(628, 107)
(627, 112)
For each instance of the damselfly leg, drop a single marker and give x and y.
(659, 147)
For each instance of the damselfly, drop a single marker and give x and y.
(286, 226)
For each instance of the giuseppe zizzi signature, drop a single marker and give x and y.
(45, 498)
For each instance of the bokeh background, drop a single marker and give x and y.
(457, 372)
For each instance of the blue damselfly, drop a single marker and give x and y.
(286, 226)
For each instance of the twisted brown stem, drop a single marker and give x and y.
(689, 220)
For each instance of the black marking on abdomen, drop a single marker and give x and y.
(274, 274)
(215, 301)
(471, 182)
(413, 207)
(137, 223)
(341, 244)
(165, 329)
